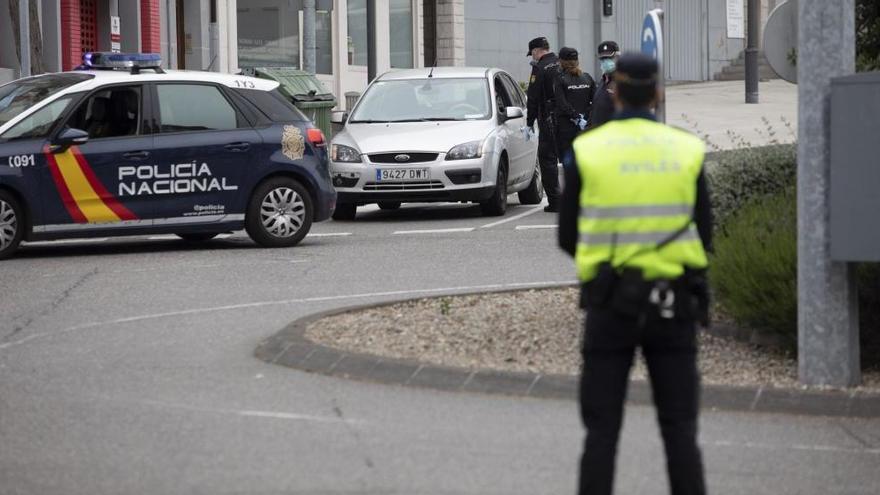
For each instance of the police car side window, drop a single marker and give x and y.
(194, 107)
(40, 123)
(109, 113)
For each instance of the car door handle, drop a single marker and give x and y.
(238, 146)
(136, 155)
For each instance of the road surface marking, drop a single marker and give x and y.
(328, 234)
(532, 227)
(282, 302)
(515, 217)
(251, 413)
(809, 448)
(433, 231)
(165, 237)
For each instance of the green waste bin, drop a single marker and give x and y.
(306, 91)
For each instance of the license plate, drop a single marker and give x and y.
(402, 174)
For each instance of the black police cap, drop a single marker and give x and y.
(636, 69)
(539, 42)
(608, 49)
(568, 53)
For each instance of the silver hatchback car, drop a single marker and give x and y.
(448, 134)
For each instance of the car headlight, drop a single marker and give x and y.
(343, 153)
(473, 149)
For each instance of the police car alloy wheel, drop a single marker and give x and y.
(10, 225)
(279, 213)
(496, 205)
(533, 194)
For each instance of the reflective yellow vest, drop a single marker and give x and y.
(638, 187)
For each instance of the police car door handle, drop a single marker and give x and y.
(238, 146)
(136, 155)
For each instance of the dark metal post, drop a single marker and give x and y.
(752, 52)
(24, 37)
(371, 40)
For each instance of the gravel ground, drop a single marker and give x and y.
(536, 331)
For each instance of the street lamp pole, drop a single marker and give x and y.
(752, 52)
(24, 37)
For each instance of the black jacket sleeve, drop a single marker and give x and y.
(603, 107)
(564, 108)
(703, 212)
(569, 208)
(534, 96)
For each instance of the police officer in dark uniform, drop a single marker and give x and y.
(545, 69)
(636, 216)
(603, 104)
(574, 99)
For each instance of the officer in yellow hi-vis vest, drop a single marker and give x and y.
(636, 216)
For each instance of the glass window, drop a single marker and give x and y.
(401, 34)
(514, 91)
(323, 42)
(424, 99)
(275, 104)
(357, 32)
(268, 33)
(108, 113)
(40, 123)
(191, 107)
(18, 96)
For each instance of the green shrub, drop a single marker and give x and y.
(737, 177)
(754, 267)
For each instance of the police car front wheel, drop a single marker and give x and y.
(279, 213)
(11, 224)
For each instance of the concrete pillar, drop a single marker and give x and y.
(828, 349)
(450, 33)
(309, 36)
(569, 24)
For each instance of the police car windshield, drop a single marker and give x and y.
(417, 100)
(18, 96)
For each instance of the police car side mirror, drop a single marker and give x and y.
(69, 137)
(513, 113)
(338, 117)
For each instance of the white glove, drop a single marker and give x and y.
(581, 122)
(528, 133)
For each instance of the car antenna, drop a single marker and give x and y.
(431, 73)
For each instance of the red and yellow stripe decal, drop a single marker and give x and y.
(86, 199)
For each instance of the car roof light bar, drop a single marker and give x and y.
(132, 61)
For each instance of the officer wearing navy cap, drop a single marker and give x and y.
(574, 99)
(636, 217)
(545, 69)
(603, 105)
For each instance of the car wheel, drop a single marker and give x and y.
(534, 193)
(279, 213)
(11, 224)
(199, 237)
(345, 211)
(496, 205)
(389, 205)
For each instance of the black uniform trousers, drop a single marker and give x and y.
(670, 350)
(548, 160)
(565, 134)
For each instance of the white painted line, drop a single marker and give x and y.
(532, 227)
(251, 413)
(433, 231)
(515, 217)
(801, 447)
(283, 302)
(224, 236)
(164, 237)
(328, 234)
(66, 241)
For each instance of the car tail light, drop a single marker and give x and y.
(316, 137)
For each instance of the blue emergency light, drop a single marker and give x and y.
(132, 61)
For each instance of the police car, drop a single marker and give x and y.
(121, 147)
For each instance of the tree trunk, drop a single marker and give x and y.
(36, 38)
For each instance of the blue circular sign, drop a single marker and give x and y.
(652, 36)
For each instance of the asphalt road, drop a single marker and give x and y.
(126, 367)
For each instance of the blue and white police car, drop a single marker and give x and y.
(121, 147)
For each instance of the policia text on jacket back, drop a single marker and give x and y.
(545, 69)
(636, 217)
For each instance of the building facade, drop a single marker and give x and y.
(702, 36)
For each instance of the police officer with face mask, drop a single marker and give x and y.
(545, 69)
(574, 99)
(603, 104)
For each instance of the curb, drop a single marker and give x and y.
(291, 348)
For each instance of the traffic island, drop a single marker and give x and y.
(527, 343)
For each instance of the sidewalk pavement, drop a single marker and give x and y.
(292, 349)
(717, 112)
